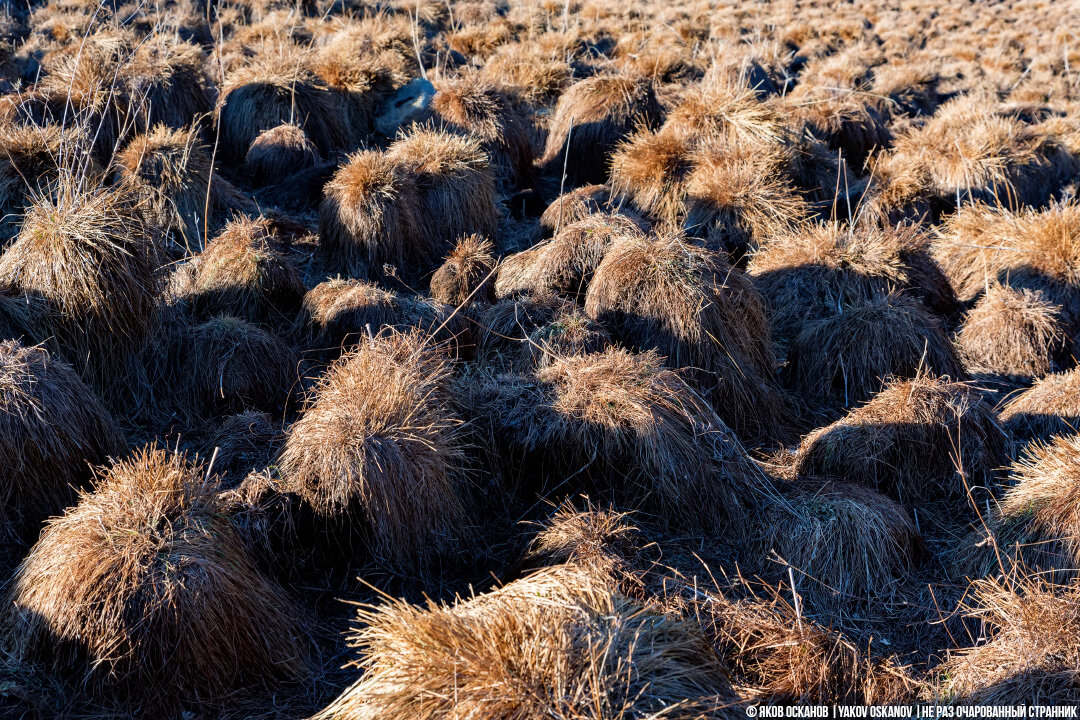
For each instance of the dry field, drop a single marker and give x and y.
(537, 359)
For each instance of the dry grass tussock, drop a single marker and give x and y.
(809, 272)
(244, 271)
(53, 429)
(338, 314)
(846, 543)
(380, 440)
(90, 256)
(1031, 628)
(467, 274)
(1049, 407)
(702, 315)
(144, 590)
(623, 424)
(849, 355)
(1034, 249)
(1036, 521)
(557, 644)
(171, 172)
(1011, 332)
(911, 441)
(566, 263)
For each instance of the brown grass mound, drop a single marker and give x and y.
(245, 443)
(473, 106)
(806, 274)
(966, 151)
(1012, 332)
(557, 644)
(568, 334)
(1037, 520)
(170, 170)
(848, 120)
(566, 263)
(379, 439)
(777, 655)
(702, 315)
(29, 161)
(626, 426)
(535, 74)
(52, 429)
(848, 356)
(163, 84)
(591, 117)
(228, 365)
(245, 272)
(143, 591)
(719, 109)
(1034, 249)
(467, 273)
(1032, 628)
(455, 186)
(649, 170)
(580, 203)
(603, 542)
(340, 313)
(279, 152)
(20, 316)
(369, 217)
(846, 543)
(90, 257)
(909, 442)
(738, 196)
(273, 89)
(504, 328)
(1049, 407)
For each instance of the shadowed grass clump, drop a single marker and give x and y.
(557, 644)
(163, 84)
(846, 543)
(738, 196)
(473, 106)
(579, 203)
(1037, 519)
(144, 591)
(968, 151)
(171, 173)
(807, 273)
(369, 217)
(565, 264)
(1015, 333)
(455, 186)
(568, 334)
(1031, 627)
(504, 328)
(909, 442)
(244, 443)
(466, 274)
(776, 655)
(625, 426)
(702, 315)
(245, 271)
(52, 429)
(1034, 249)
(279, 152)
(1049, 407)
(229, 365)
(380, 440)
(29, 161)
(89, 256)
(846, 357)
(340, 313)
(274, 88)
(592, 115)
